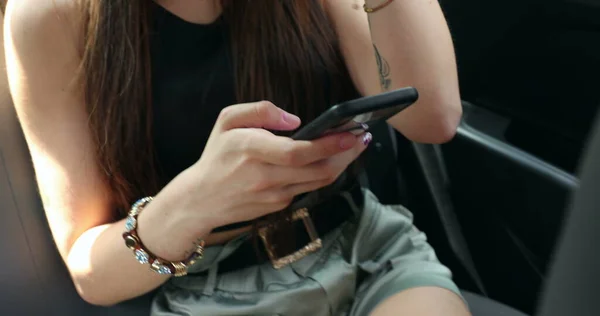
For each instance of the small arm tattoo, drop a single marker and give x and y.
(384, 70)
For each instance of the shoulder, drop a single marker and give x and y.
(348, 8)
(42, 40)
(34, 25)
(42, 46)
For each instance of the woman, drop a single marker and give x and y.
(121, 100)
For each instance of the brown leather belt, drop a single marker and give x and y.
(310, 223)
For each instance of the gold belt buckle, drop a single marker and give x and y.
(314, 245)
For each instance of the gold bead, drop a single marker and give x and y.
(180, 269)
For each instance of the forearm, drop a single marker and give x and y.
(105, 271)
(414, 48)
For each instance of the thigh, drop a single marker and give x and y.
(393, 255)
(424, 301)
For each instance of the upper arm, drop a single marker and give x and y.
(42, 62)
(415, 49)
(352, 27)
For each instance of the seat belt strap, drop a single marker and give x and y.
(432, 163)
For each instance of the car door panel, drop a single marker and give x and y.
(510, 205)
(529, 70)
(537, 63)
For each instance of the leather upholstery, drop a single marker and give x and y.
(572, 288)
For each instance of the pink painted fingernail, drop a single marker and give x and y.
(290, 119)
(347, 141)
(367, 138)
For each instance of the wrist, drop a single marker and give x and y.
(205, 207)
(168, 235)
(144, 255)
(189, 228)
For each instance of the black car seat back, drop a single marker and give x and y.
(572, 288)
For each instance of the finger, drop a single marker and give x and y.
(325, 148)
(326, 171)
(284, 151)
(278, 198)
(341, 160)
(261, 114)
(322, 170)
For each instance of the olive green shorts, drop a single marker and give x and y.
(377, 254)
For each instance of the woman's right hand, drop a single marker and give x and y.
(246, 171)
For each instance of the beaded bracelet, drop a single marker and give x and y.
(144, 256)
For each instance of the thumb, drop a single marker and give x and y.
(261, 114)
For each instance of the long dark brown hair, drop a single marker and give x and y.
(284, 51)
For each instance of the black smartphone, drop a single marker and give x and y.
(359, 114)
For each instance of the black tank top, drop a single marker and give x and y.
(192, 81)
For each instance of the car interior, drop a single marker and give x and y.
(507, 204)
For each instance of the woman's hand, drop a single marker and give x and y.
(246, 171)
